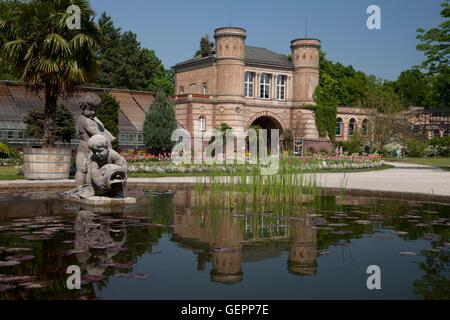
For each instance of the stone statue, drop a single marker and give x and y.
(106, 174)
(88, 125)
(107, 170)
(101, 172)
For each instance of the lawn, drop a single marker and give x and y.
(443, 163)
(9, 173)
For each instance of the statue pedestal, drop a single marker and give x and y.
(109, 202)
(101, 202)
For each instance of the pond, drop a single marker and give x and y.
(184, 245)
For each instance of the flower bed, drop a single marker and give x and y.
(163, 164)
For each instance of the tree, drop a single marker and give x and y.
(44, 52)
(206, 47)
(108, 114)
(381, 97)
(224, 127)
(386, 122)
(327, 97)
(159, 124)
(161, 78)
(6, 72)
(414, 88)
(435, 42)
(288, 139)
(441, 88)
(64, 124)
(126, 65)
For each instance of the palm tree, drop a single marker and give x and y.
(45, 53)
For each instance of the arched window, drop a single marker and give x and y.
(339, 123)
(365, 127)
(265, 86)
(202, 123)
(249, 84)
(181, 90)
(352, 127)
(205, 88)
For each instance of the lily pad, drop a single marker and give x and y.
(223, 250)
(9, 263)
(20, 258)
(337, 225)
(363, 222)
(12, 279)
(17, 250)
(35, 285)
(91, 278)
(6, 287)
(407, 253)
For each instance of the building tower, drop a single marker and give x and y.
(230, 52)
(230, 71)
(306, 57)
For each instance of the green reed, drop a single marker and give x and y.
(245, 188)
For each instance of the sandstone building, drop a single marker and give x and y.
(243, 86)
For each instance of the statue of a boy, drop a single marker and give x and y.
(107, 172)
(88, 125)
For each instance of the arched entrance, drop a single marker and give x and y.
(268, 123)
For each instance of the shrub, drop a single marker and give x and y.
(354, 145)
(441, 146)
(416, 148)
(6, 152)
(159, 124)
(9, 156)
(65, 124)
(390, 149)
(108, 114)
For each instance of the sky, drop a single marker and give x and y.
(173, 28)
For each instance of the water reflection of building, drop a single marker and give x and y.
(303, 252)
(232, 240)
(217, 233)
(227, 254)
